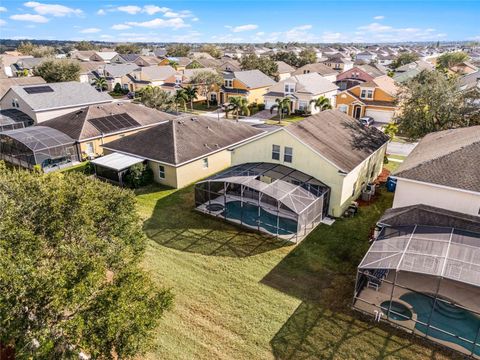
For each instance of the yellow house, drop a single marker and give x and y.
(326, 146)
(96, 125)
(250, 84)
(186, 149)
(181, 63)
(375, 98)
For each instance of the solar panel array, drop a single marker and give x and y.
(38, 89)
(114, 123)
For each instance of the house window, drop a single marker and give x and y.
(287, 157)
(178, 80)
(306, 71)
(289, 88)
(366, 94)
(15, 103)
(302, 105)
(229, 83)
(161, 172)
(275, 152)
(205, 163)
(343, 108)
(213, 97)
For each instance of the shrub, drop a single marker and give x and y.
(261, 107)
(117, 88)
(138, 175)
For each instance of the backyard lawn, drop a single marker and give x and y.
(241, 295)
(286, 120)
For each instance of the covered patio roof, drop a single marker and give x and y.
(117, 161)
(439, 251)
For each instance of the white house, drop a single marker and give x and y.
(443, 171)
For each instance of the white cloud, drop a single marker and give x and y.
(175, 23)
(227, 38)
(332, 37)
(29, 17)
(379, 17)
(106, 36)
(130, 9)
(384, 33)
(3, 22)
(120, 27)
(3, 9)
(475, 38)
(153, 9)
(90, 30)
(101, 12)
(180, 14)
(241, 28)
(52, 9)
(300, 33)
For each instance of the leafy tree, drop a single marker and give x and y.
(127, 49)
(156, 98)
(264, 64)
(138, 175)
(34, 50)
(282, 106)
(207, 81)
(192, 94)
(70, 274)
(431, 102)
(391, 129)
(307, 56)
(212, 50)
(85, 46)
(173, 64)
(194, 65)
(181, 97)
(288, 57)
(101, 83)
(58, 70)
(237, 105)
(449, 59)
(403, 59)
(178, 50)
(321, 103)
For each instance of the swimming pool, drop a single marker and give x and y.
(249, 215)
(446, 317)
(398, 311)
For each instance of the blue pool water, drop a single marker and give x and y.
(233, 210)
(398, 311)
(446, 317)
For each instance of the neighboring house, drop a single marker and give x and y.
(229, 65)
(250, 84)
(184, 78)
(319, 68)
(325, 147)
(201, 55)
(82, 55)
(357, 75)
(366, 56)
(186, 149)
(148, 75)
(44, 102)
(97, 125)
(470, 82)
(301, 89)
(182, 62)
(464, 68)
(375, 98)
(117, 74)
(419, 65)
(284, 70)
(338, 63)
(403, 77)
(26, 65)
(6, 84)
(207, 63)
(385, 60)
(442, 171)
(103, 56)
(124, 58)
(89, 71)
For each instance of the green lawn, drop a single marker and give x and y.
(392, 164)
(285, 121)
(242, 295)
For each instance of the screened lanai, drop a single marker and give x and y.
(268, 197)
(425, 279)
(38, 145)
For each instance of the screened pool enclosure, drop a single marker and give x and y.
(38, 145)
(426, 280)
(272, 198)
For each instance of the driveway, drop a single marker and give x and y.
(400, 148)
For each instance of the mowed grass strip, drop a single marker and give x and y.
(242, 295)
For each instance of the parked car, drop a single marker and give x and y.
(367, 120)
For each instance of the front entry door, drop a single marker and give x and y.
(357, 110)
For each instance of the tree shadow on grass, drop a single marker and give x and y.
(175, 224)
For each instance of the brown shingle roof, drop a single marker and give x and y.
(448, 158)
(338, 137)
(184, 139)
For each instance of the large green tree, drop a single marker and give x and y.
(431, 102)
(85, 45)
(178, 50)
(36, 51)
(156, 98)
(403, 59)
(282, 106)
(449, 59)
(288, 57)
(263, 63)
(127, 49)
(212, 50)
(237, 105)
(307, 56)
(58, 70)
(70, 274)
(206, 82)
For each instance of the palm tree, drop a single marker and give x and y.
(321, 103)
(181, 96)
(173, 64)
(191, 92)
(237, 104)
(282, 106)
(156, 98)
(100, 83)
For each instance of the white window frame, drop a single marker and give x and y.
(288, 154)
(289, 88)
(275, 152)
(228, 83)
(161, 171)
(366, 93)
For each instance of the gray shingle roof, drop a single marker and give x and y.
(183, 139)
(65, 94)
(5, 84)
(320, 68)
(448, 158)
(118, 70)
(283, 67)
(158, 72)
(311, 83)
(253, 78)
(338, 137)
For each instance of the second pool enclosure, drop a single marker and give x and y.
(267, 197)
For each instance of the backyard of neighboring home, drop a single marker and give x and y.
(241, 295)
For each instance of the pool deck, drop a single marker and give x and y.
(369, 299)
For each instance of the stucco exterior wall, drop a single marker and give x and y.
(411, 193)
(170, 174)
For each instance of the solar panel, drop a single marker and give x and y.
(38, 89)
(114, 123)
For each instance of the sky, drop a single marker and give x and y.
(241, 21)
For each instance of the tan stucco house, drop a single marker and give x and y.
(250, 84)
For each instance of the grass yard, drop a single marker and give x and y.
(392, 164)
(242, 295)
(285, 121)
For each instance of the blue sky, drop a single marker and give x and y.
(241, 21)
